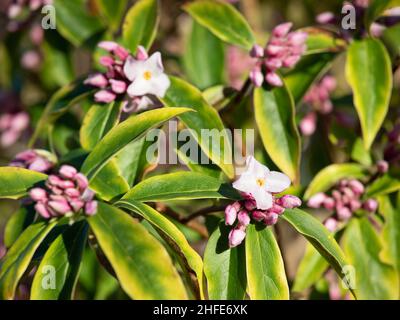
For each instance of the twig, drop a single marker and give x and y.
(202, 212)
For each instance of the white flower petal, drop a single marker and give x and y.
(263, 199)
(132, 68)
(139, 87)
(160, 85)
(144, 103)
(255, 168)
(246, 183)
(154, 63)
(276, 182)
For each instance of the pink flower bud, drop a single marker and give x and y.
(97, 80)
(273, 63)
(282, 30)
(355, 205)
(329, 203)
(54, 180)
(326, 18)
(67, 172)
(236, 236)
(243, 218)
(141, 53)
(42, 210)
(38, 194)
(270, 218)
(316, 200)
(343, 213)
(76, 204)
(109, 46)
(297, 38)
(72, 193)
(289, 201)
(61, 207)
(274, 50)
(382, 166)
(82, 181)
(231, 212)
(8, 138)
(91, 208)
(121, 53)
(31, 60)
(106, 61)
(257, 51)
(331, 224)
(356, 186)
(40, 165)
(273, 79)
(118, 86)
(20, 121)
(256, 77)
(308, 124)
(258, 215)
(276, 208)
(87, 195)
(370, 205)
(250, 204)
(291, 61)
(104, 96)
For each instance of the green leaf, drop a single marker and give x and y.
(275, 117)
(17, 223)
(142, 265)
(376, 9)
(74, 22)
(359, 154)
(182, 94)
(266, 276)
(17, 259)
(223, 20)
(320, 41)
(390, 233)
(311, 269)
(140, 25)
(383, 185)
(98, 121)
(15, 182)
(318, 236)
(124, 133)
(182, 185)
(191, 261)
(369, 73)
(58, 104)
(113, 11)
(64, 255)
(109, 183)
(306, 72)
(129, 160)
(373, 279)
(330, 175)
(219, 96)
(224, 267)
(202, 68)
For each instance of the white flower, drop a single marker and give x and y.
(147, 76)
(260, 182)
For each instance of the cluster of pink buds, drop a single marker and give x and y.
(12, 126)
(65, 194)
(36, 160)
(16, 7)
(284, 49)
(318, 98)
(392, 150)
(345, 199)
(240, 213)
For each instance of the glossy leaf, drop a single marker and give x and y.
(17, 259)
(320, 41)
(266, 276)
(140, 25)
(109, 184)
(330, 175)
(74, 22)
(17, 223)
(112, 10)
(64, 255)
(124, 133)
(191, 261)
(373, 278)
(383, 185)
(15, 182)
(306, 72)
(390, 232)
(318, 236)
(223, 20)
(181, 186)
(182, 94)
(143, 267)
(275, 117)
(224, 267)
(376, 9)
(369, 73)
(100, 119)
(310, 270)
(202, 68)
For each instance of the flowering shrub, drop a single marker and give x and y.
(273, 133)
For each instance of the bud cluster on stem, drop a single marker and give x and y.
(65, 194)
(344, 199)
(36, 160)
(284, 49)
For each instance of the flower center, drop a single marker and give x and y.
(147, 75)
(260, 182)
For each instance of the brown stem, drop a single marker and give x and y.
(202, 212)
(239, 96)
